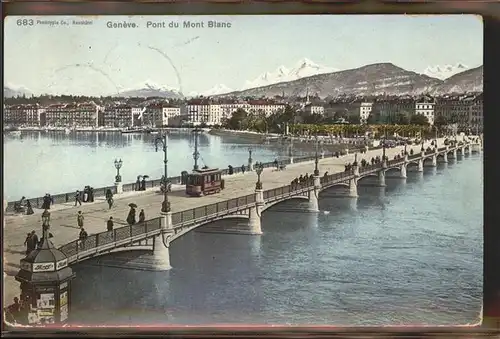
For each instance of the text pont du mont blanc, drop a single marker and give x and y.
(171, 24)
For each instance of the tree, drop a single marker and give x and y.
(237, 119)
(354, 119)
(402, 119)
(340, 115)
(372, 119)
(315, 118)
(419, 119)
(440, 121)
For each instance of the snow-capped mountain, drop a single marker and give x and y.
(444, 72)
(303, 68)
(10, 90)
(216, 90)
(149, 88)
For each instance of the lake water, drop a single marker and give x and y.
(409, 253)
(65, 163)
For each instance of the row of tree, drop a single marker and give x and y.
(275, 123)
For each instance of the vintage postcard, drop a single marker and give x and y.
(204, 170)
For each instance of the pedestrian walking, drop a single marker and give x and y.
(78, 199)
(142, 216)
(243, 169)
(83, 237)
(131, 216)
(110, 224)
(29, 208)
(79, 219)
(28, 243)
(109, 198)
(34, 239)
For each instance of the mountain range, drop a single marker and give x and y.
(307, 76)
(375, 79)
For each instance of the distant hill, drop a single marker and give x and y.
(467, 81)
(375, 79)
(150, 89)
(11, 92)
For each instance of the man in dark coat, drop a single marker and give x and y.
(131, 216)
(110, 224)
(34, 240)
(83, 237)
(142, 216)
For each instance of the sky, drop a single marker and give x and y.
(94, 59)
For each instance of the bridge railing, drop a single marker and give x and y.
(211, 209)
(94, 241)
(129, 187)
(336, 177)
(414, 156)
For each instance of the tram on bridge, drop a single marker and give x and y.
(204, 181)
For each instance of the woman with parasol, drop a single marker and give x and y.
(131, 214)
(143, 182)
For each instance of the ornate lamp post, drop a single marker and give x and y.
(258, 168)
(383, 150)
(355, 163)
(118, 165)
(405, 150)
(162, 140)
(250, 160)
(45, 222)
(316, 160)
(422, 149)
(436, 136)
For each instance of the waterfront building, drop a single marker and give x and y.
(72, 115)
(170, 115)
(425, 106)
(388, 108)
(464, 110)
(118, 116)
(24, 115)
(266, 107)
(229, 106)
(349, 106)
(198, 111)
(314, 109)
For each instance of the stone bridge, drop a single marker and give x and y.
(157, 234)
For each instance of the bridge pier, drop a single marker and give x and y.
(445, 157)
(314, 194)
(119, 187)
(420, 165)
(381, 174)
(255, 214)
(403, 171)
(250, 164)
(434, 161)
(454, 154)
(353, 183)
(161, 245)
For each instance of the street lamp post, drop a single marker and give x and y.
(118, 165)
(162, 140)
(258, 168)
(355, 163)
(45, 224)
(250, 160)
(422, 149)
(436, 136)
(383, 150)
(316, 160)
(405, 150)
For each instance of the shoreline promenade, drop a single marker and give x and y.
(64, 216)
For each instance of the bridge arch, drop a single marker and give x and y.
(209, 222)
(367, 178)
(277, 202)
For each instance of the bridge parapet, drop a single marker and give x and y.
(96, 243)
(223, 207)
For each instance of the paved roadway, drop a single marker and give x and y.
(63, 217)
